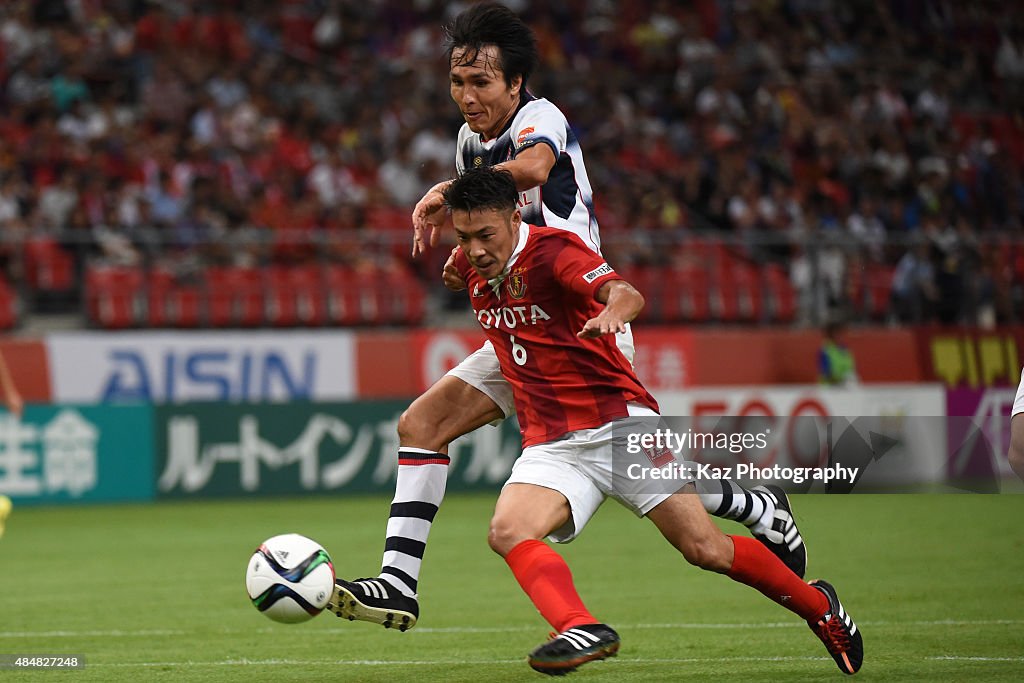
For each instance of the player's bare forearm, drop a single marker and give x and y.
(622, 304)
(1016, 454)
(531, 166)
(11, 396)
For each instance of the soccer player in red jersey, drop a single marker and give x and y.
(551, 307)
(492, 54)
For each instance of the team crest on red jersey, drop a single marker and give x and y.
(517, 283)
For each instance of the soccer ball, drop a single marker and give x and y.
(290, 578)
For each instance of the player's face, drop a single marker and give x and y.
(486, 101)
(488, 237)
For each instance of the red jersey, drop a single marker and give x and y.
(560, 382)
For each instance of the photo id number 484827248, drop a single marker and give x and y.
(42, 662)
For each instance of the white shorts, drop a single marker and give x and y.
(481, 371)
(582, 468)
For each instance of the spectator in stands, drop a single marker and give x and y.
(913, 284)
(865, 225)
(57, 201)
(836, 366)
(115, 243)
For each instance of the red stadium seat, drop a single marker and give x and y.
(234, 297)
(341, 284)
(280, 299)
(685, 296)
(374, 295)
(295, 296)
(307, 283)
(406, 301)
(736, 296)
(172, 304)
(649, 281)
(114, 296)
(415, 301)
(159, 284)
(48, 266)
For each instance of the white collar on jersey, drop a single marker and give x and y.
(524, 234)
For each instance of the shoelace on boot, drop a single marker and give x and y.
(834, 635)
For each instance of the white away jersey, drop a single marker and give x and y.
(1018, 400)
(566, 200)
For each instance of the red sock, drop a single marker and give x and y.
(759, 568)
(545, 578)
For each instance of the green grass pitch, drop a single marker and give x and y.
(936, 583)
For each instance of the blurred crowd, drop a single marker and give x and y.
(833, 138)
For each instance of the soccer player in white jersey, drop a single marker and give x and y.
(491, 54)
(1016, 454)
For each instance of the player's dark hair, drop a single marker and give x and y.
(489, 23)
(482, 188)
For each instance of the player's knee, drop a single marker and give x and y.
(416, 429)
(705, 553)
(1016, 457)
(505, 534)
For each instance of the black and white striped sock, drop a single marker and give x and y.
(422, 477)
(728, 500)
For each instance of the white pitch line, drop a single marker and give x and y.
(89, 634)
(442, 662)
(965, 658)
(509, 629)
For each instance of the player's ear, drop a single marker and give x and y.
(516, 84)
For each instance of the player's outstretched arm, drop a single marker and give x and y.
(1016, 454)
(530, 168)
(622, 304)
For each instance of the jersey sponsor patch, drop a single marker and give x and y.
(523, 134)
(602, 269)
